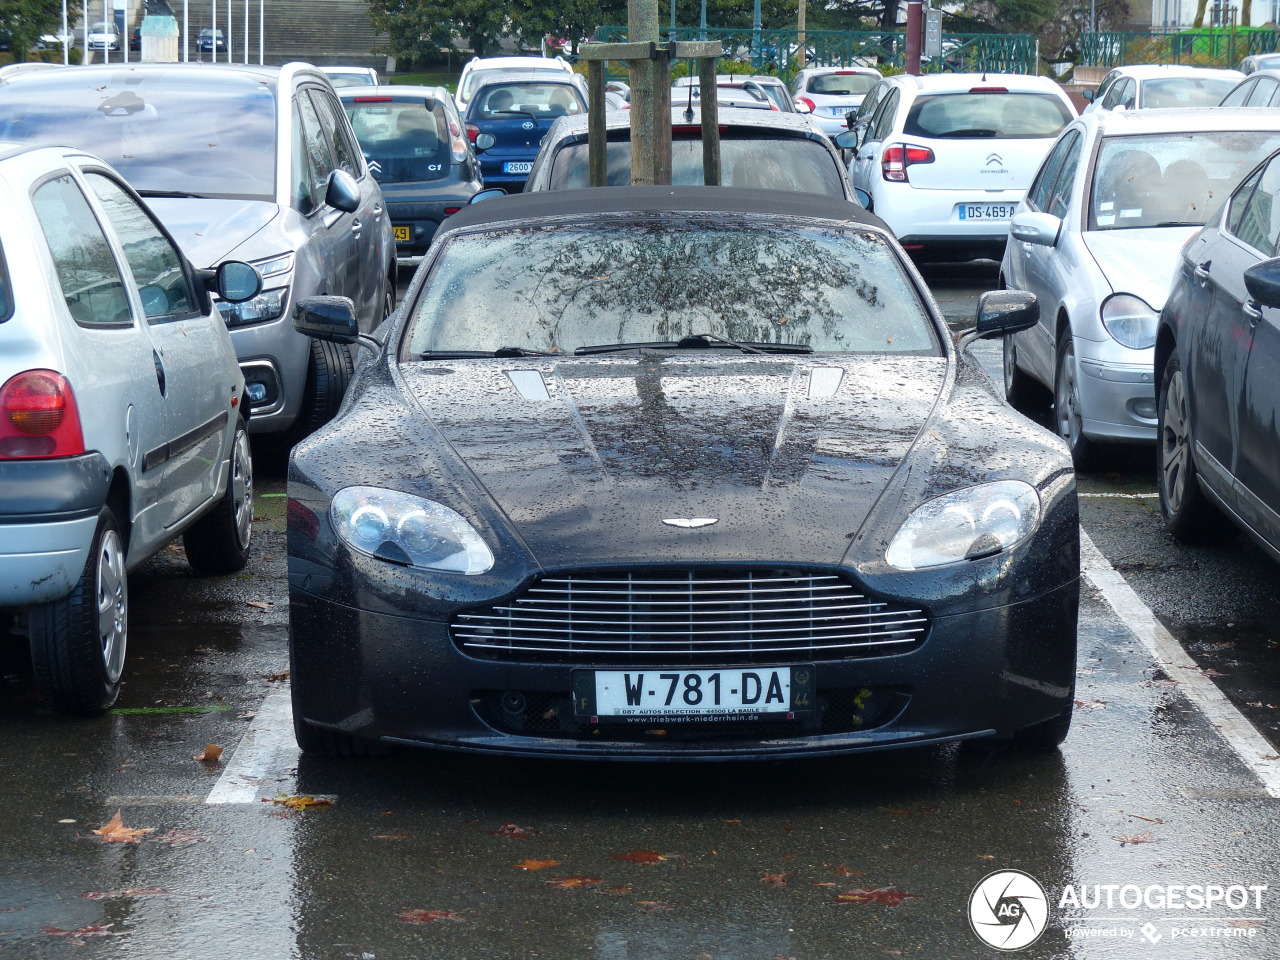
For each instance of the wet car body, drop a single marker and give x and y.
(422, 180)
(658, 474)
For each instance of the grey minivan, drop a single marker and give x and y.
(255, 163)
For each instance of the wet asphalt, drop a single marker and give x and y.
(426, 855)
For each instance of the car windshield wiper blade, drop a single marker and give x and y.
(697, 341)
(484, 354)
(178, 194)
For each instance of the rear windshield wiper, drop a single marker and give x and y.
(178, 194)
(484, 354)
(697, 341)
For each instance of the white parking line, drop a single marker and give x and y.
(1258, 755)
(266, 754)
(1123, 496)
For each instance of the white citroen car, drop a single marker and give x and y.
(944, 159)
(1097, 241)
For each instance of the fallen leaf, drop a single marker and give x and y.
(298, 803)
(95, 930)
(775, 879)
(123, 894)
(1136, 838)
(212, 753)
(259, 604)
(986, 856)
(885, 895)
(116, 832)
(280, 677)
(1139, 816)
(640, 856)
(427, 916)
(537, 864)
(516, 831)
(1090, 704)
(180, 837)
(392, 836)
(573, 883)
(652, 906)
(1271, 756)
(825, 883)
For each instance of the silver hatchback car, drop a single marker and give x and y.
(256, 162)
(121, 414)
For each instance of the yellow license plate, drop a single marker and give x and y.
(402, 234)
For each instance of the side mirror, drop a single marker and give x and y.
(236, 281)
(1002, 312)
(848, 140)
(485, 141)
(327, 318)
(1088, 94)
(1038, 228)
(343, 193)
(1262, 280)
(864, 198)
(488, 193)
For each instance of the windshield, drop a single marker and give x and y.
(770, 163)
(166, 132)
(843, 84)
(559, 288)
(477, 77)
(987, 114)
(1173, 178)
(1186, 91)
(513, 101)
(403, 141)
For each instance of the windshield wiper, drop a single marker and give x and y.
(697, 341)
(483, 354)
(178, 194)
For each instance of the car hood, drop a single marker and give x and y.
(209, 230)
(788, 456)
(1140, 261)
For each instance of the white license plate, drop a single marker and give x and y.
(517, 167)
(985, 211)
(840, 112)
(659, 694)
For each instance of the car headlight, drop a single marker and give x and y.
(267, 305)
(965, 525)
(408, 530)
(1130, 321)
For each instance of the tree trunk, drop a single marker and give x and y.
(889, 18)
(1246, 13)
(1198, 23)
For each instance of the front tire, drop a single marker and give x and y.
(1022, 391)
(1066, 403)
(78, 642)
(328, 376)
(218, 543)
(1188, 514)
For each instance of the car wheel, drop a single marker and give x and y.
(78, 642)
(1046, 735)
(328, 376)
(1188, 514)
(1021, 390)
(219, 541)
(1066, 403)
(389, 301)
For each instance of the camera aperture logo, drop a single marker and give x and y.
(1008, 910)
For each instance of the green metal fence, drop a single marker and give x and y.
(777, 51)
(1206, 47)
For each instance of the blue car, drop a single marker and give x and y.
(508, 117)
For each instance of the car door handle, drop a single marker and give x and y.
(1202, 271)
(1252, 310)
(356, 227)
(377, 211)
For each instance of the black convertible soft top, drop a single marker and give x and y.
(649, 200)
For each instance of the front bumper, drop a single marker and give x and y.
(1118, 400)
(403, 680)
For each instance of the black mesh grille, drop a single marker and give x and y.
(549, 714)
(689, 617)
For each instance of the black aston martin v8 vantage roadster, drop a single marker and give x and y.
(676, 473)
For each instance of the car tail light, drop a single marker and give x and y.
(846, 73)
(458, 146)
(896, 158)
(371, 99)
(39, 417)
(988, 89)
(450, 211)
(808, 103)
(472, 132)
